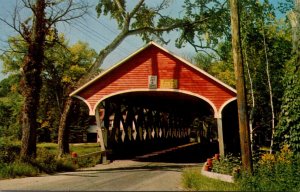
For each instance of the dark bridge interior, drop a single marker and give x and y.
(142, 122)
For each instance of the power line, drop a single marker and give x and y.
(89, 29)
(111, 30)
(89, 33)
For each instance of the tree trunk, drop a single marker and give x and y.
(240, 86)
(31, 82)
(270, 91)
(63, 136)
(253, 102)
(62, 129)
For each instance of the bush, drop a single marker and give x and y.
(45, 162)
(17, 169)
(89, 160)
(228, 165)
(9, 150)
(279, 172)
(65, 165)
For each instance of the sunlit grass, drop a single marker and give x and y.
(85, 148)
(79, 148)
(193, 180)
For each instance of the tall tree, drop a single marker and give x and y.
(63, 65)
(288, 128)
(31, 79)
(266, 47)
(33, 31)
(240, 86)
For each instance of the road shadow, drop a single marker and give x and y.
(138, 168)
(196, 153)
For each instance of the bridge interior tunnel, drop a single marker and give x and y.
(136, 123)
(231, 128)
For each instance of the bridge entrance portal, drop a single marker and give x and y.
(154, 95)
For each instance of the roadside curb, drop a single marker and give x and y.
(218, 176)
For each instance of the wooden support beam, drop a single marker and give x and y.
(220, 136)
(100, 135)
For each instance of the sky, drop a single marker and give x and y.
(96, 32)
(99, 32)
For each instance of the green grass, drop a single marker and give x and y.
(193, 180)
(79, 148)
(17, 169)
(46, 160)
(85, 148)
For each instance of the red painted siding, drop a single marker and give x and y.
(133, 74)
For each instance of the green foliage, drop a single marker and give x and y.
(85, 148)
(220, 69)
(279, 172)
(10, 106)
(17, 169)
(65, 165)
(142, 19)
(258, 23)
(89, 160)
(193, 180)
(206, 23)
(63, 66)
(9, 150)
(46, 160)
(288, 128)
(228, 165)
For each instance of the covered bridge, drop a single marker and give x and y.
(160, 92)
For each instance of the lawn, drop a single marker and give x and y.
(193, 180)
(79, 148)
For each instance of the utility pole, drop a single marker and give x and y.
(240, 87)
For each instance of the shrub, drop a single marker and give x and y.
(65, 165)
(89, 160)
(9, 150)
(45, 161)
(228, 164)
(273, 172)
(17, 169)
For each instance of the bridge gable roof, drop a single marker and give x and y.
(153, 60)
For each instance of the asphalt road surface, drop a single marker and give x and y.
(158, 171)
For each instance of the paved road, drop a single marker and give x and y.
(126, 175)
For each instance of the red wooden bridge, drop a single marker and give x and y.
(154, 94)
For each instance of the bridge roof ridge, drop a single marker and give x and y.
(140, 50)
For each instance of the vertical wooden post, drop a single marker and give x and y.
(220, 137)
(240, 87)
(100, 135)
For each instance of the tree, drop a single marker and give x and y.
(33, 30)
(31, 80)
(240, 86)
(10, 105)
(266, 47)
(63, 65)
(288, 128)
(149, 23)
(219, 65)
